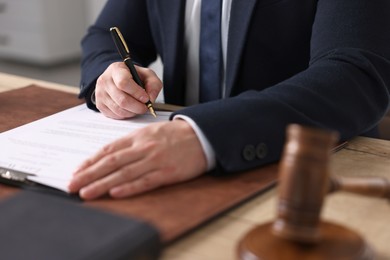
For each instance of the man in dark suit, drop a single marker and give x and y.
(322, 63)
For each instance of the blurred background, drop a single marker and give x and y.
(41, 38)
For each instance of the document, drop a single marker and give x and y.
(50, 149)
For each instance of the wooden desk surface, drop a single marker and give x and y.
(218, 239)
(8, 82)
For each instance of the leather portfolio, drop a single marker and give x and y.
(40, 226)
(174, 210)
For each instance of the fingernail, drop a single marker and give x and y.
(83, 193)
(71, 187)
(144, 99)
(116, 191)
(154, 94)
(75, 172)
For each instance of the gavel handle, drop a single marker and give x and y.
(368, 186)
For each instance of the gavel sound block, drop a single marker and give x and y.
(304, 181)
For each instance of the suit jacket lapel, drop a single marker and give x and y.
(172, 15)
(241, 13)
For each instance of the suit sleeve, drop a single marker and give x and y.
(99, 50)
(345, 88)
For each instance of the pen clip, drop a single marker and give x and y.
(120, 43)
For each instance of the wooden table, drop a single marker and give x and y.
(218, 239)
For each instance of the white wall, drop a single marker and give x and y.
(93, 8)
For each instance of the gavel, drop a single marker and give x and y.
(304, 181)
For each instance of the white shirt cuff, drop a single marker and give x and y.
(206, 146)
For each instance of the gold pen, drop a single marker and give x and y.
(125, 54)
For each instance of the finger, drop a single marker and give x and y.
(99, 176)
(153, 84)
(123, 175)
(115, 103)
(107, 160)
(125, 82)
(104, 102)
(146, 182)
(117, 145)
(127, 103)
(114, 111)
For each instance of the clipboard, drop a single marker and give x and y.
(184, 206)
(19, 179)
(32, 98)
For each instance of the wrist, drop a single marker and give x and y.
(207, 149)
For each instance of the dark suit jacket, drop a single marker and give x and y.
(322, 63)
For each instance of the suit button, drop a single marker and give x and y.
(249, 152)
(261, 150)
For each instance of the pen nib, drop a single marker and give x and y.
(152, 111)
(150, 107)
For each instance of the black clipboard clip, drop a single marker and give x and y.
(13, 177)
(20, 179)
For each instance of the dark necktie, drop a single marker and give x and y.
(210, 51)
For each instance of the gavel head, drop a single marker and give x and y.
(303, 182)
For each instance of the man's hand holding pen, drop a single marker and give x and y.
(147, 158)
(118, 96)
(124, 52)
(122, 87)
